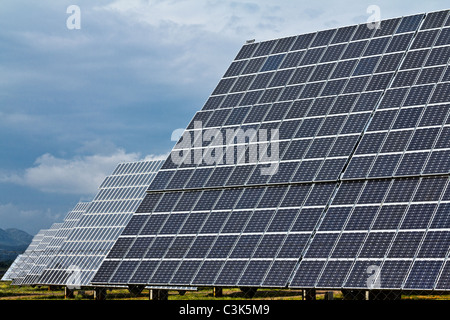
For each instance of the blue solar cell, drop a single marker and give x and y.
(335, 218)
(376, 245)
(334, 274)
(389, 217)
(343, 69)
(410, 23)
(302, 41)
(424, 274)
(246, 51)
(435, 245)
(284, 44)
(361, 218)
(358, 275)
(265, 48)
(273, 62)
(434, 20)
(418, 216)
(366, 66)
(376, 46)
(414, 59)
(222, 247)
(312, 56)
(242, 83)
(282, 220)
(292, 59)
(393, 273)
(387, 27)
(235, 68)
(293, 246)
(185, 272)
(343, 34)
(200, 247)
(354, 49)
(254, 273)
(307, 274)
(269, 246)
(333, 53)
(259, 221)
(279, 273)
(231, 272)
(405, 244)
(348, 245)
(208, 272)
(307, 220)
(253, 65)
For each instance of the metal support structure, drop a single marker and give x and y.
(68, 293)
(159, 294)
(309, 294)
(217, 292)
(135, 290)
(100, 294)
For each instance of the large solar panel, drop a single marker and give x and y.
(318, 160)
(17, 268)
(54, 244)
(31, 255)
(78, 257)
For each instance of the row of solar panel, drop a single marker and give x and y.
(344, 34)
(128, 168)
(327, 89)
(412, 119)
(331, 274)
(141, 179)
(120, 193)
(334, 63)
(392, 274)
(352, 246)
(372, 192)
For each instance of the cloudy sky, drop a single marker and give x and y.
(75, 102)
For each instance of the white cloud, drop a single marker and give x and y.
(80, 175)
(13, 216)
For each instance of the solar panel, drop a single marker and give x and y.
(77, 255)
(354, 180)
(31, 256)
(55, 241)
(19, 267)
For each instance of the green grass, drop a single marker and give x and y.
(8, 292)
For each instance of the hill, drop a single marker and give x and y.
(12, 243)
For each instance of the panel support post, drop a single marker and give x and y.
(99, 294)
(217, 292)
(328, 295)
(135, 290)
(158, 294)
(68, 293)
(309, 294)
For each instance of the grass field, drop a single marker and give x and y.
(8, 292)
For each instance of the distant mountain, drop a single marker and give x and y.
(13, 242)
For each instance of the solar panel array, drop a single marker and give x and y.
(55, 242)
(31, 255)
(91, 239)
(16, 268)
(359, 182)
